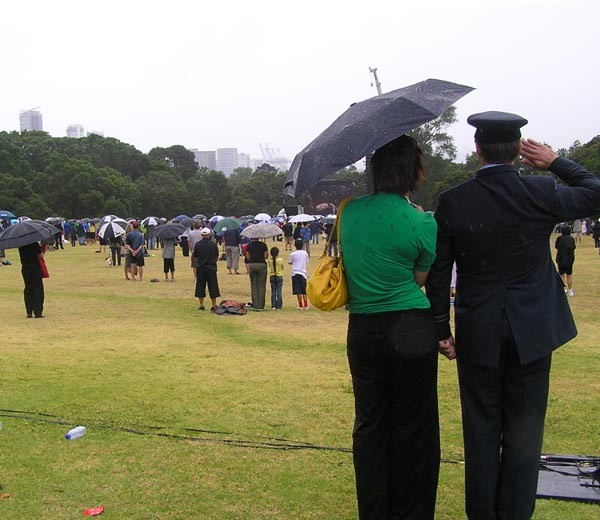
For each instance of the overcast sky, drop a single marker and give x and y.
(212, 74)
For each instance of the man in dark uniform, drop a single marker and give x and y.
(511, 311)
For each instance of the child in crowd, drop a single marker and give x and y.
(299, 261)
(276, 279)
(168, 254)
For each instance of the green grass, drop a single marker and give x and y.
(211, 394)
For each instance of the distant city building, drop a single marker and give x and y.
(205, 158)
(227, 160)
(76, 130)
(243, 160)
(30, 120)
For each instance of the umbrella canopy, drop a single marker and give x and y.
(262, 217)
(180, 218)
(120, 222)
(110, 230)
(169, 230)
(27, 232)
(227, 223)
(216, 218)
(150, 222)
(367, 126)
(303, 217)
(199, 216)
(261, 231)
(106, 218)
(328, 220)
(4, 214)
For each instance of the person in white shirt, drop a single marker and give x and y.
(299, 261)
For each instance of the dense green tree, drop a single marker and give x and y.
(588, 155)
(17, 195)
(163, 194)
(176, 157)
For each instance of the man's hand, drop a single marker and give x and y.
(447, 348)
(536, 154)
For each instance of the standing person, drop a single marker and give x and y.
(276, 279)
(596, 233)
(565, 258)
(32, 276)
(511, 310)
(577, 229)
(299, 261)
(194, 236)
(231, 236)
(168, 254)
(134, 241)
(206, 253)
(392, 351)
(58, 237)
(315, 231)
(305, 234)
(116, 243)
(288, 233)
(257, 254)
(332, 248)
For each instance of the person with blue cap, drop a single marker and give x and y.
(511, 311)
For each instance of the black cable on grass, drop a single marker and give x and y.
(270, 443)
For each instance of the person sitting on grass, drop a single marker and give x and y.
(299, 261)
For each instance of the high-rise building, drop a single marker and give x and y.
(227, 160)
(30, 120)
(243, 160)
(75, 130)
(205, 158)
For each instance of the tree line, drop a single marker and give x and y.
(43, 176)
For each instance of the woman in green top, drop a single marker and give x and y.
(388, 246)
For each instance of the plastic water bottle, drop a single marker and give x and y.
(75, 433)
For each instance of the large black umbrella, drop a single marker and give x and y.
(27, 232)
(367, 126)
(169, 230)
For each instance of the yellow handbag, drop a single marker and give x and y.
(326, 288)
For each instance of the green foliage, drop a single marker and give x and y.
(176, 157)
(588, 155)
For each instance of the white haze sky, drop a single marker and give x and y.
(228, 73)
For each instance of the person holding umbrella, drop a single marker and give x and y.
(32, 276)
(27, 236)
(388, 245)
(257, 253)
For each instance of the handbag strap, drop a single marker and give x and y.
(336, 226)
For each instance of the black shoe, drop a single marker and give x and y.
(29, 315)
(39, 316)
(201, 308)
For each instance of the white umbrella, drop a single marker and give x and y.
(303, 217)
(264, 217)
(150, 221)
(261, 231)
(110, 230)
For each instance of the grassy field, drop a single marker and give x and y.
(192, 415)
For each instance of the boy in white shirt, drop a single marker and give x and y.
(299, 261)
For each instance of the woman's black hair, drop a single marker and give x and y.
(398, 166)
(274, 254)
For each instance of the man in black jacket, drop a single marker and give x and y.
(511, 311)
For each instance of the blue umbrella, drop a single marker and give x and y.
(4, 214)
(367, 126)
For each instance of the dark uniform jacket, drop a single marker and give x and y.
(497, 227)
